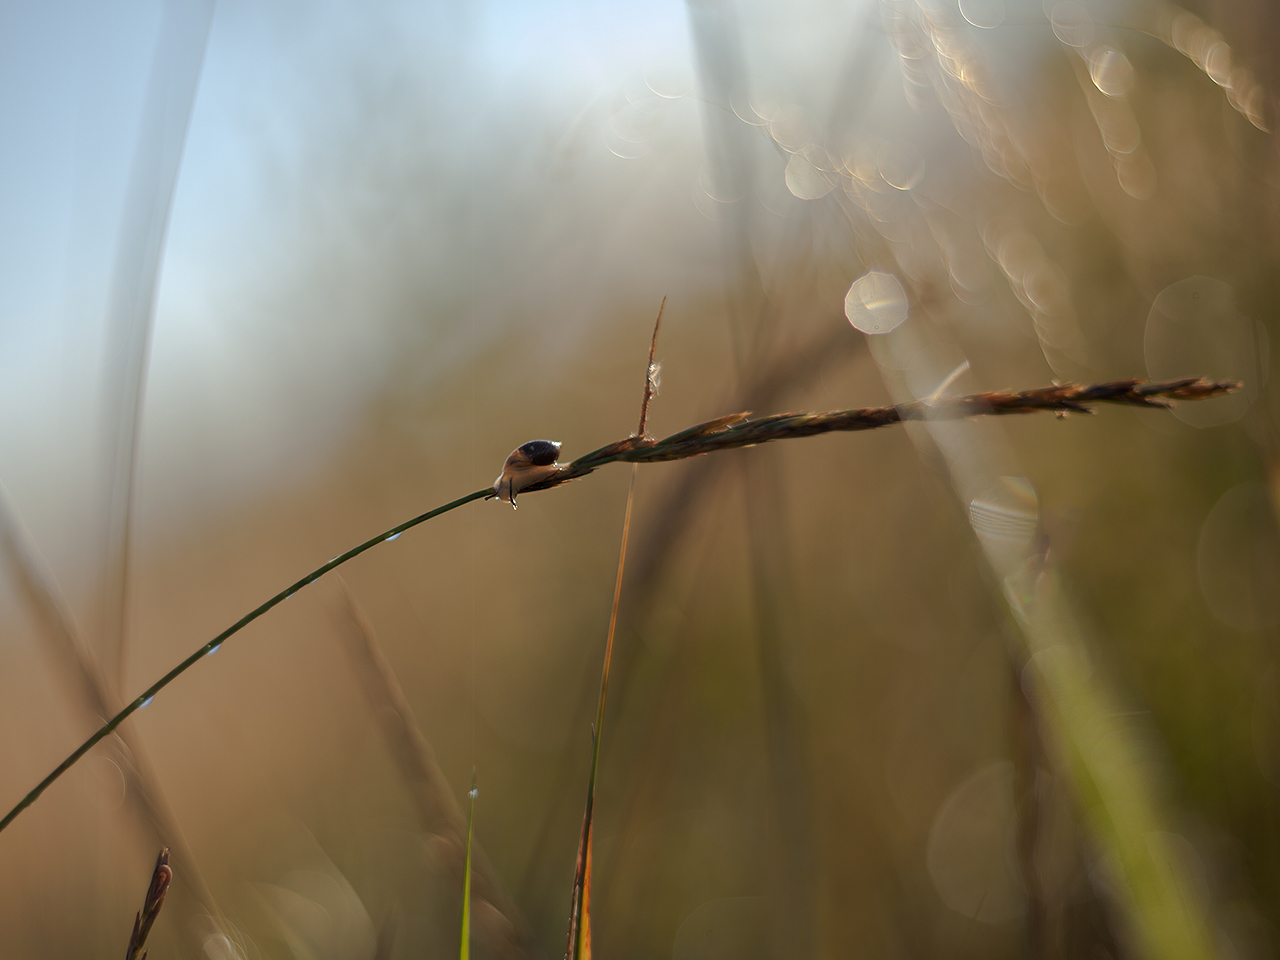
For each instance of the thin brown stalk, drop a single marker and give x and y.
(579, 945)
(670, 521)
(671, 517)
(497, 920)
(161, 877)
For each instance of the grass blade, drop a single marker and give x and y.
(464, 950)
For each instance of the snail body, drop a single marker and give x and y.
(528, 464)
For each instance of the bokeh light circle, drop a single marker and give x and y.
(1238, 559)
(1194, 329)
(876, 303)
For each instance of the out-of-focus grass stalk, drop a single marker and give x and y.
(166, 114)
(1115, 793)
(783, 711)
(143, 794)
(500, 926)
(1109, 773)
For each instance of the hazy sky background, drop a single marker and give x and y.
(353, 175)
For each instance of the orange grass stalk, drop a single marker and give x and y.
(579, 945)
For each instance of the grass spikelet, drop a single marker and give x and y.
(161, 877)
(579, 946)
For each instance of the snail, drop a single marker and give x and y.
(528, 464)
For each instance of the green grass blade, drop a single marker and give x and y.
(1119, 797)
(464, 950)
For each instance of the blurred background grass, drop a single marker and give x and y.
(406, 238)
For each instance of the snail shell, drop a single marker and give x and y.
(528, 464)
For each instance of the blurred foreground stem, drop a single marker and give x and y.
(1084, 726)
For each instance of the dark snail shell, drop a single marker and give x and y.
(540, 453)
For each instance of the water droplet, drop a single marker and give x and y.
(394, 536)
(289, 596)
(1238, 558)
(790, 128)
(621, 147)
(1111, 72)
(1136, 176)
(965, 855)
(805, 180)
(473, 793)
(105, 782)
(876, 303)
(147, 702)
(1195, 325)
(655, 377)
(214, 649)
(900, 164)
(668, 81)
(1217, 63)
(1072, 24)
(983, 13)
(721, 187)
(743, 111)
(1006, 518)
(707, 206)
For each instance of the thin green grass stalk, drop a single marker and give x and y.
(438, 812)
(464, 949)
(723, 433)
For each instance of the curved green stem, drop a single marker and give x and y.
(147, 695)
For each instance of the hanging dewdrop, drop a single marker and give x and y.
(528, 464)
